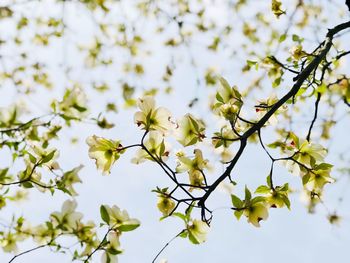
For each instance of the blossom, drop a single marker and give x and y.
(224, 138)
(226, 154)
(73, 104)
(8, 115)
(265, 105)
(31, 175)
(104, 151)
(69, 178)
(86, 233)
(67, 219)
(119, 219)
(44, 233)
(228, 100)
(297, 52)
(197, 231)
(156, 146)
(194, 167)
(318, 177)
(276, 8)
(334, 219)
(309, 151)
(275, 199)
(311, 198)
(9, 242)
(276, 196)
(190, 130)
(113, 248)
(151, 118)
(197, 163)
(256, 212)
(165, 204)
(40, 155)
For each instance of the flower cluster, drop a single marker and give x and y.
(228, 101)
(73, 105)
(150, 118)
(104, 151)
(194, 167)
(190, 130)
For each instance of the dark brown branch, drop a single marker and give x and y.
(167, 244)
(99, 246)
(315, 116)
(35, 248)
(27, 251)
(304, 75)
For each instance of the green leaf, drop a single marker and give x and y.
(162, 148)
(193, 141)
(184, 234)
(300, 92)
(257, 199)
(27, 185)
(3, 173)
(323, 166)
(268, 181)
(238, 214)
(306, 178)
(163, 217)
(79, 108)
(263, 189)
(192, 238)
(126, 227)
(179, 215)
(32, 158)
(284, 188)
(189, 211)
(238, 95)
(194, 123)
(104, 214)
(282, 38)
(296, 38)
(48, 157)
(148, 119)
(248, 195)
(236, 202)
(321, 89)
(285, 200)
(251, 63)
(219, 98)
(113, 251)
(224, 83)
(276, 144)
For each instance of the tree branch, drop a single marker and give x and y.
(301, 78)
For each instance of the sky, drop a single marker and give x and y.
(288, 236)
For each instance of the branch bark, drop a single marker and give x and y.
(304, 74)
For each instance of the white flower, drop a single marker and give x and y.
(119, 219)
(190, 130)
(156, 146)
(73, 104)
(104, 151)
(194, 167)
(256, 212)
(165, 204)
(265, 105)
(197, 231)
(67, 219)
(151, 118)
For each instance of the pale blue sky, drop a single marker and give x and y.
(287, 236)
